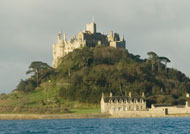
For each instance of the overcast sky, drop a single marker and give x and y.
(28, 28)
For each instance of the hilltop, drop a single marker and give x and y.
(84, 74)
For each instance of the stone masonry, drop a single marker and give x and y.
(89, 37)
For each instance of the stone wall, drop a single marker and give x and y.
(147, 113)
(172, 109)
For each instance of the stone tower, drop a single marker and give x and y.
(58, 49)
(91, 27)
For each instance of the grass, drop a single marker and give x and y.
(44, 97)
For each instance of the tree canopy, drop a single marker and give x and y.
(84, 74)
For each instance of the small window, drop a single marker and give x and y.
(137, 107)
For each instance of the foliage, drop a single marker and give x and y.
(26, 85)
(39, 70)
(106, 69)
(84, 74)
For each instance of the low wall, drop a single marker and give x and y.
(153, 112)
(173, 110)
(129, 114)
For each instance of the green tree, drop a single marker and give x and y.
(153, 57)
(39, 70)
(165, 60)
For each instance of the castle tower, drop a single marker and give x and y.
(58, 50)
(59, 37)
(123, 39)
(64, 37)
(91, 27)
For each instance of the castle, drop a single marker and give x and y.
(135, 106)
(89, 37)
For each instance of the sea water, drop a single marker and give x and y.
(97, 126)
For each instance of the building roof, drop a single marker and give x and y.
(106, 99)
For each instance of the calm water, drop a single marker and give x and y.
(97, 126)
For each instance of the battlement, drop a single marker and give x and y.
(89, 37)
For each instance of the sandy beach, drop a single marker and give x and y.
(51, 116)
(73, 116)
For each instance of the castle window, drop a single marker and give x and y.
(115, 101)
(137, 107)
(120, 109)
(120, 100)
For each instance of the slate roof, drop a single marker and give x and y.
(106, 99)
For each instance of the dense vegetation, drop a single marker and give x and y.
(84, 74)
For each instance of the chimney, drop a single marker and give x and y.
(143, 94)
(110, 94)
(187, 95)
(129, 94)
(102, 99)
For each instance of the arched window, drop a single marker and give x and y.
(141, 107)
(120, 101)
(115, 101)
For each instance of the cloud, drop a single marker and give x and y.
(11, 73)
(29, 28)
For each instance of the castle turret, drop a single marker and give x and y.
(64, 37)
(59, 37)
(123, 39)
(91, 27)
(58, 50)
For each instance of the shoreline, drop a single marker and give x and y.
(75, 116)
(51, 116)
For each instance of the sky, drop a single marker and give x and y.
(28, 28)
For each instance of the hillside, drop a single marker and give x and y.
(84, 74)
